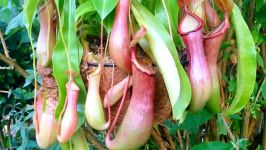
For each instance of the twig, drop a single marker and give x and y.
(229, 132)
(13, 63)
(187, 138)
(263, 52)
(245, 126)
(264, 132)
(10, 67)
(90, 137)
(4, 45)
(252, 125)
(7, 68)
(158, 139)
(2, 91)
(260, 90)
(180, 140)
(169, 138)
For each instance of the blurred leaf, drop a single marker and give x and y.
(260, 4)
(78, 140)
(164, 51)
(260, 15)
(3, 3)
(236, 117)
(109, 21)
(104, 7)
(2, 99)
(29, 13)
(221, 126)
(193, 121)
(5, 14)
(150, 5)
(232, 84)
(25, 138)
(20, 93)
(263, 92)
(29, 79)
(260, 60)
(243, 144)
(215, 145)
(172, 127)
(15, 23)
(84, 8)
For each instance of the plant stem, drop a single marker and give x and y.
(245, 125)
(2, 91)
(158, 139)
(264, 132)
(229, 132)
(260, 90)
(180, 140)
(4, 45)
(252, 125)
(187, 137)
(94, 141)
(13, 63)
(169, 138)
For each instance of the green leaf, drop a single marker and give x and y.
(2, 99)
(15, 23)
(25, 138)
(78, 141)
(259, 4)
(29, 12)
(150, 5)
(260, 60)
(109, 21)
(172, 9)
(66, 146)
(260, 15)
(68, 43)
(104, 7)
(194, 120)
(221, 126)
(23, 94)
(165, 54)
(263, 92)
(246, 66)
(3, 3)
(5, 14)
(84, 8)
(213, 145)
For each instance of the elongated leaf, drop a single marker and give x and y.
(104, 7)
(68, 43)
(165, 55)
(150, 5)
(172, 9)
(246, 66)
(84, 8)
(29, 12)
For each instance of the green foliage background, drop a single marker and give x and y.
(16, 103)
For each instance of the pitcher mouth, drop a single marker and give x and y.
(221, 29)
(192, 18)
